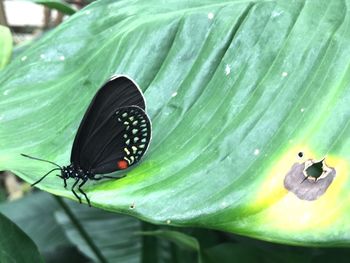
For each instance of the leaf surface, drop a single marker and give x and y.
(234, 89)
(15, 245)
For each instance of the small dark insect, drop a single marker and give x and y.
(315, 170)
(113, 135)
(300, 154)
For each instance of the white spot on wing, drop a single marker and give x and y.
(210, 15)
(24, 58)
(126, 151)
(62, 58)
(284, 74)
(256, 152)
(174, 94)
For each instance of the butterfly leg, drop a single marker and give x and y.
(77, 196)
(107, 177)
(64, 179)
(81, 191)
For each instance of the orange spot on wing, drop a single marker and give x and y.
(122, 164)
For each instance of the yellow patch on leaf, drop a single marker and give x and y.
(284, 210)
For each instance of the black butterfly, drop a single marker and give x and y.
(113, 135)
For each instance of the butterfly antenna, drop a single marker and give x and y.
(38, 159)
(45, 176)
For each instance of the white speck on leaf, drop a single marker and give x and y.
(256, 152)
(174, 94)
(62, 58)
(42, 56)
(88, 12)
(24, 58)
(302, 110)
(284, 74)
(210, 15)
(227, 69)
(6, 92)
(168, 221)
(223, 204)
(275, 13)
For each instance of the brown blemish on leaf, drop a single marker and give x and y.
(132, 206)
(308, 190)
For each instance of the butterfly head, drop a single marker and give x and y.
(67, 171)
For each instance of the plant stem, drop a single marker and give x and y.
(81, 230)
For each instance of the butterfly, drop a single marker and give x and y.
(113, 135)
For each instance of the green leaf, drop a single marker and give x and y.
(15, 245)
(62, 237)
(66, 254)
(58, 5)
(162, 250)
(34, 214)
(5, 46)
(235, 90)
(227, 252)
(113, 235)
(181, 239)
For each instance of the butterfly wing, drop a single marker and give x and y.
(119, 142)
(119, 91)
